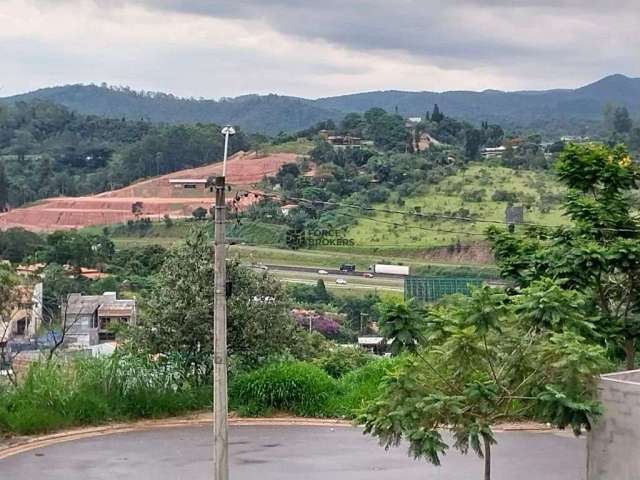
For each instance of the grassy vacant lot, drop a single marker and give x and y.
(468, 193)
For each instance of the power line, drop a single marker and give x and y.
(416, 227)
(402, 225)
(423, 215)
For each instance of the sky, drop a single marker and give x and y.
(213, 49)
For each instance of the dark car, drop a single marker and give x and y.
(347, 267)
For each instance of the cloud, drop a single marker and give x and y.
(445, 32)
(220, 48)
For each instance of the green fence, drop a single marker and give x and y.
(430, 289)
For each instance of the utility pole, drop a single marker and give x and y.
(220, 400)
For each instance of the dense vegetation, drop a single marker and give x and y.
(549, 112)
(596, 253)
(269, 114)
(47, 150)
(391, 171)
(59, 395)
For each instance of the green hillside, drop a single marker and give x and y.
(553, 112)
(467, 194)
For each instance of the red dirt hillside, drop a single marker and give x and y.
(157, 195)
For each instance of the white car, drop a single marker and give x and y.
(323, 272)
(341, 281)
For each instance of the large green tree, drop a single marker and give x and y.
(179, 313)
(17, 244)
(597, 253)
(481, 361)
(77, 249)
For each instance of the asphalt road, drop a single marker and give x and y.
(311, 278)
(288, 453)
(332, 271)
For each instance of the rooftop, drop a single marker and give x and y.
(107, 302)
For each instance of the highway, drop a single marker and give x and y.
(355, 280)
(330, 271)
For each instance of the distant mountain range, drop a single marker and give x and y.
(560, 111)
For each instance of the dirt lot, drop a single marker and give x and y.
(243, 169)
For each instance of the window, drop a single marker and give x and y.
(189, 185)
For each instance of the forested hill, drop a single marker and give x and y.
(565, 111)
(47, 150)
(268, 114)
(568, 111)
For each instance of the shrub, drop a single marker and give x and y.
(342, 360)
(504, 196)
(473, 195)
(359, 387)
(296, 387)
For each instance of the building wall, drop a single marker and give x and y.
(36, 311)
(614, 442)
(81, 333)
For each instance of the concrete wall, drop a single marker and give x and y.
(614, 442)
(80, 332)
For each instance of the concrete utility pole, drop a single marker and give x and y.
(220, 402)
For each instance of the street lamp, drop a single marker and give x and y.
(220, 399)
(227, 132)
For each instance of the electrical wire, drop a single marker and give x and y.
(421, 215)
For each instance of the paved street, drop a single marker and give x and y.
(288, 453)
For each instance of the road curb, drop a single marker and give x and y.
(25, 444)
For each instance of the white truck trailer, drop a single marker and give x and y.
(390, 269)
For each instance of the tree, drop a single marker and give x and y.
(474, 139)
(179, 317)
(57, 285)
(17, 244)
(621, 120)
(22, 144)
(322, 295)
(437, 116)
(358, 309)
(200, 213)
(402, 324)
(77, 249)
(137, 208)
(598, 253)
(352, 123)
(479, 364)
(387, 131)
(69, 248)
(4, 189)
(10, 299)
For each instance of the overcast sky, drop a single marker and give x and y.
(210, 48)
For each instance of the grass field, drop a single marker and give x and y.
(446, 198)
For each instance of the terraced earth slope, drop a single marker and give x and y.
(157, 195)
